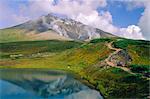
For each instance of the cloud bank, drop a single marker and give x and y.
(144, 22)
(85, 11)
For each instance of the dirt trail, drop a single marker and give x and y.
(116, 50)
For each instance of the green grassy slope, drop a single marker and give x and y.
(140, 52)
(116, 83)
(83, 59)
(12, 35)
(31, 47)
(61, 54)
(16, 34)
(138, 49)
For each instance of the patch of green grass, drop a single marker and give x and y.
(101, 40)
(31, 47)
(68, 55)
(124, 43)
(86, 55)
(139, 50)
(12, 35)
(116, 83)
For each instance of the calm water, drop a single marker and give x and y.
(42, 84)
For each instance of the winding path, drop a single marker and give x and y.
(116, 50)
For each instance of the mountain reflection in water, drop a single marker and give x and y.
(41, 84)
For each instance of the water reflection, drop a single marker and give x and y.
(39, 84)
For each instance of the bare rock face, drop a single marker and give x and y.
(64, 27)
(122, 58)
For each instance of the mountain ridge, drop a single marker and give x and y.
(62, 27)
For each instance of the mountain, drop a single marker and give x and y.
(53, 27)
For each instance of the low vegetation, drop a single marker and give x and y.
(101, 40)
(116, 83)
(124, 43)
(33, 47)
(138, 49)
(83, 58)
(141, 69)
(64, 55)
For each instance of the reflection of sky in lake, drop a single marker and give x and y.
(42, 84)
(11, 91)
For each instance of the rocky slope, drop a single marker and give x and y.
(118, 58)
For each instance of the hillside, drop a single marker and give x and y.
(27, 48)
(14, 35)
(129, 81)
(51, 27)
(90, 61)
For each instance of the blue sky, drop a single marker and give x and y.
(118, 13)
(122, 17)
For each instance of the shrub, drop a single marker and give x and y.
(101, 40)
(125, 42)
(140, 68)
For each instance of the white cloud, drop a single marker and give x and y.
(144, 22)
(132, 4)
(132, 31)
(103, 21)
(84, 11)
(73, 8)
